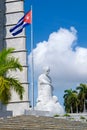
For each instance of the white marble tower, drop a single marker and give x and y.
(10, 12)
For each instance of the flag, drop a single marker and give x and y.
(24, 21)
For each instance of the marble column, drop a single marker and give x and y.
(12, 11)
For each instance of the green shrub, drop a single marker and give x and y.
(67, 115)
(82, 117)
(56, 115)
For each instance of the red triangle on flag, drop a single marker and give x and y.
(28, 17)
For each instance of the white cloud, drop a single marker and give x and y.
(68, 66)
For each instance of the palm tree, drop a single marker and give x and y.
(67, 100)
(75, 101)
(71, 101)
(82, 96)
(9, 63)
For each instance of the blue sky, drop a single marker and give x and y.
(48, 17)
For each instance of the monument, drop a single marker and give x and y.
(10, 12)
(46, 101)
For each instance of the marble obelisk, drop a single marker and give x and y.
(10, 12)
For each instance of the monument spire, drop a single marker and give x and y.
(14, 11)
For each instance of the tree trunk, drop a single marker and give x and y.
(77, 108)
(71, 109)
(84, 110)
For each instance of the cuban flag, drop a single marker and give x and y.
(24, 21)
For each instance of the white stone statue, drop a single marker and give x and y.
(46, 101)
(44, 86)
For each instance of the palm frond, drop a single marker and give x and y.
(5, 94)
(5, 53)
(17, 86)
(9, 63)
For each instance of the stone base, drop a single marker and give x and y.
(5, 113)
(18, 108)
(38, 113)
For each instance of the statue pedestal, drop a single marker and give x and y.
(38, 113)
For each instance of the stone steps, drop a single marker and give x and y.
(40, 123)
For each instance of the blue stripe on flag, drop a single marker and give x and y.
(19, 29)
(16, 26)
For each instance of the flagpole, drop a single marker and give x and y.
(32, 61)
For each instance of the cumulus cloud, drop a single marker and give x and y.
(68, 63)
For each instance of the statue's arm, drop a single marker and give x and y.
(44, 80)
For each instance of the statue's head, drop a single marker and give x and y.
(46, 70)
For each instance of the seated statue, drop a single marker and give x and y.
(46, 101)
(45, 89)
